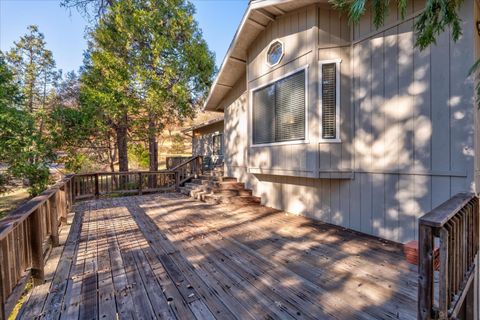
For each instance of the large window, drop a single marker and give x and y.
(329, 94)
(279, 110)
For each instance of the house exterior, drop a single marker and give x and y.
(348, 124)
(208, 141)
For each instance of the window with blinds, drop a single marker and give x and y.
(329, 100)
(279, 110)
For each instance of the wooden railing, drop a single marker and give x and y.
(454, 228)
(171, 162)
(188, 169)
(94, 185)
(28, 233)
(26, 237)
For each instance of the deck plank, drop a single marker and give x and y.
(165, 256)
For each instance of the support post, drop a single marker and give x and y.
(36, 232)
(3, 316)
(97, 190)
(140, 182)
(425, 270)
(54, 218)
(177, 180)
(443, 298)
(72, 189)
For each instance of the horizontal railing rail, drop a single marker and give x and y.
(26, 236)
(94, 185)
(454, 228)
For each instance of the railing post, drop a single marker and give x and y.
(425, 270)
(3, 316)
(177, 180)
(140, 182)
(54, 218)
(36, 231)
(443, 298)
(97, 189)
(72, 189)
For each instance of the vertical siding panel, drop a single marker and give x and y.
(440, 118)
(345, 28)
(422, 106)
(345, 203)
(335, 28)
(406, 104)
(323, 27)
(366, 208)
(378, 150)
(378, 204)
(363, 134)
(346, 118)
(358, 95)
(391, 106)
(440, 190)
(408, 208)
(336, 214)
(461, 110)
(440, 110)
(325, 204)
(364, 26)
(355, 205)
(391, 184)
(423, 198)
(418, 5)
(302, 26)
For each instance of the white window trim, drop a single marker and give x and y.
(250, 110)
(281, 57)
(337, 100)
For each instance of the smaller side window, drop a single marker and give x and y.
(330, 100)
(218, 145)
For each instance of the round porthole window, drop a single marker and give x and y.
(275, 53)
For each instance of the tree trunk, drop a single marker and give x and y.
(122, 144)
(112, 154)
(152, 150)
(152, 144)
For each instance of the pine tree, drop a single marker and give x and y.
(34, 68)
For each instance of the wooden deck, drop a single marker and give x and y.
(166, 256)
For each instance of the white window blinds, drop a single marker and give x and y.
(329, 97)
(329, 101)
(279, 110)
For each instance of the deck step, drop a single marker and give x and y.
(215, 188)
(241, 200)
(216, 178)
(232, 192)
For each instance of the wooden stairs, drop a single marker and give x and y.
(214, 188)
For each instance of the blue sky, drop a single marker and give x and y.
(64, 30)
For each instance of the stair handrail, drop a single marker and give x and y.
(188, 169)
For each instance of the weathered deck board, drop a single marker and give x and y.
(169, 257)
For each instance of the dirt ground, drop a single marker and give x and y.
(11, 200)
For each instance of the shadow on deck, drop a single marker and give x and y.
(167, 256)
